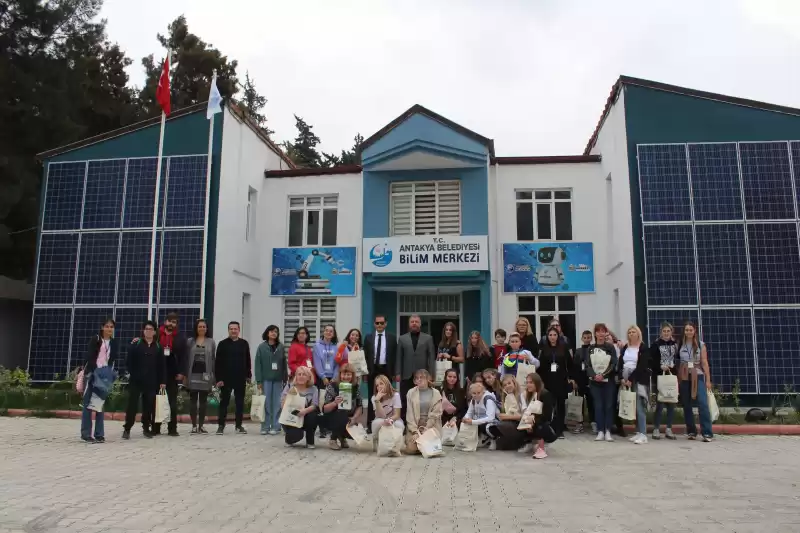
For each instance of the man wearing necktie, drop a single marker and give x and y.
(380, 351)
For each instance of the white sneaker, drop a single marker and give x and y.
(600, 436)
(609, 438)
(594, 427)
(528, 448)
(669, 434)
(635, 437)
(656, 434)
(493, 445)
(640, 439)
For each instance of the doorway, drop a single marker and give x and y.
(435, 310)
(433, 325)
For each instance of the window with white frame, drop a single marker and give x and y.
(313, 220)
(544, 215)
(426, 208)
(313, 313)
(540, 310)
(252, 210)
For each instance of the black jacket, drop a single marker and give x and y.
(459, 399)
(94, 349)
(390, 342)
(578, 373)
(233, 365)
(556, 382)
(548, 403)
(642, 372)
(146, 365)
(667, 349)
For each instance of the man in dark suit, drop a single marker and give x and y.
(415, 351)
(380, 351)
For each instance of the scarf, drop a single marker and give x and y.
(164, 338)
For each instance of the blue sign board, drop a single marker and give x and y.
(548, 267)
(314, 271)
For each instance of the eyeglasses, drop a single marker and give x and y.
(379, 322)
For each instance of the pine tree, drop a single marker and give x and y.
(252, 103)
(353, 156)
(303, 151)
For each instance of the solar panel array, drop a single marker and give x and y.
(721, 236)
(94, 254)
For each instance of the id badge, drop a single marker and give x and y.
(167, 351)
(690, 364)
(327, 366)
(206, 377)
(553, 367)
(583, 367)
(274, 366)
(308, 363)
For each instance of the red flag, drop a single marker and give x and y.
(162, 92)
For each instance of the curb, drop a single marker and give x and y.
(115, 416)
(744, 429)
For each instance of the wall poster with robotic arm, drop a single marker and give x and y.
(314, 271)
(548, 267)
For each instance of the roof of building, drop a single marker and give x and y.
(629, 80)
(546, 159)
(198, 107)
(295, 172)
(421, 110)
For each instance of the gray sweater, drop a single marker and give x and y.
(200, 381)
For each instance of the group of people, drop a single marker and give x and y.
(510, 412)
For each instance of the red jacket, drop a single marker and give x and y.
(499, 351)
(300, 355)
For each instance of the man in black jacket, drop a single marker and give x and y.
(147, 370)
(380, 351)
(233, 370)
(173, 344)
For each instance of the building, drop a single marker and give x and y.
(683, 206)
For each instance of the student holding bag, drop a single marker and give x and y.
(271, 374)
(387, 405)
(302, 387)
(663, 360)
(342, 405)
(634, 374)
(505, 433)
(536, 426)
(482, 408)
(601, 381)
(454, 402)
(423, 411)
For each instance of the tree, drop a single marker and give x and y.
(61, 81)
(353, 156)
(193, 64)
(252, 103)
(303, 151)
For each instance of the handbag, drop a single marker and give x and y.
(449, 435)
(667, 385)
(511, 405)
(293, 402)
(713, 408)
(467, 440)
(429, 444)
(523, 369)
(390, 441)
(162, 407)
(575, 408)
(359, 362)
(96, 403)
(257, 408)
(627, 404)
(360, 437)
(441, 368)
(80, 382)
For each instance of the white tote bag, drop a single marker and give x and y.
(429, 444)
(360, 437)
(162, 407)
(441, 368)
(467, 440)
(96, 403)
(523, 369)
(627, 404)
(293, 402)
(575, 408)
(257, 412)
(449, 435)
(359, 362)
(390, 441)
(667, 385)
(713, 408)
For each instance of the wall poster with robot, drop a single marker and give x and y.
(549, 267)
(314, 271)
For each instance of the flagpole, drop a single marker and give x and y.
(205, 218)
(155, 209)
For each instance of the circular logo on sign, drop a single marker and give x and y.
(380, 255)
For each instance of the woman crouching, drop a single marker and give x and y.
(342, 405)
(540, 431)
(424, 411)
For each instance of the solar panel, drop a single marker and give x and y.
(676, 317)
(64, 196)
(728, 336)
(129, 326)
(775, 263)
(86, 325)
(664, 183)
(796, 167)
(767, 180)
(55, 280)
(104, 183)
(722, 265)
(181, 271)
(716, 190)
(671, 273)
(97, 273)
(134, 267)
(778, 364)
(49, 343)
(186, 191)
(140, 192)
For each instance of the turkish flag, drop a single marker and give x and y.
(162, 92)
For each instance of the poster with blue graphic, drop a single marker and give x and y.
(548, 267)
(314, 271)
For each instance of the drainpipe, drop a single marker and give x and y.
(496, 245)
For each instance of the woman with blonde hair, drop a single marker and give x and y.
(387, 405)
(423, 411)
(523, 327)
(633, 367)
(505, 435)
(694, 383)
(303, 384)
(339, 418)
(541, 430)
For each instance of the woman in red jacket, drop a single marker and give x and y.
(300, 351)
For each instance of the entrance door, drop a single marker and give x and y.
(432, 325)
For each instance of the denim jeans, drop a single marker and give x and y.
(685, 393)
(670, 414)
(641, 414)
(86, 416)
(604, 403)
(272, 405)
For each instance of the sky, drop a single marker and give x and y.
(533, 75)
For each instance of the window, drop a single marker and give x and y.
(539, 310)
(426, 208)
(313, 313)
(313, 220)
(544, 215)
(252, 210)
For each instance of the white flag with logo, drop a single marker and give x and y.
(214, 99)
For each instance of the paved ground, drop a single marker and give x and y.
(51, 482)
